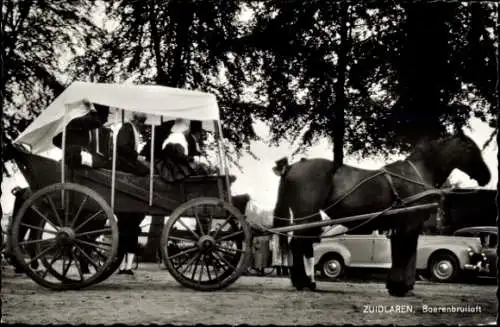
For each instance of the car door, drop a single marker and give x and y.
(361, 248)
(381, 250)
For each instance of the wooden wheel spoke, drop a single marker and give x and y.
(192, 249)
(66, 206)
(37, 241)
(99, 253)
(198, 222)
(232, 254)
(200, 275)
(181, 263)
(223, 238)
(208, 270)
(77, 266)
(66, 268)
(51, 263)
(196, 266)
(92, 262)
(95, 245)
(39, 228)
(39, 255)
(54, 209)
(229, 264)
(190, 262)
(175, 238)
(47, 220)
(75, 219)
(218, 263)
(228, 250)
(97, 231)
(89, 219)
(222, 226)
(190, 230)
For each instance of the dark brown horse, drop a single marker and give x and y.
(311, 185)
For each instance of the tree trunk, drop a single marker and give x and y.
(338, 125)
(155, 38)
(498, 155)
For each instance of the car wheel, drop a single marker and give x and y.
(332, 266)
(443, 267)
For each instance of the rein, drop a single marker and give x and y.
(398, 203)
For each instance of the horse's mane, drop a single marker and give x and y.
(429, 150)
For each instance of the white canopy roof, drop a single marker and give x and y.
(155, 100)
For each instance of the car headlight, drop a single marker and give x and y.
(470, 251)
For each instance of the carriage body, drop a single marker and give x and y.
(73, 210)
(132, 191)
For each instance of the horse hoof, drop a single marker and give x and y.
(312, 286)
(399, 290)
(19, 270)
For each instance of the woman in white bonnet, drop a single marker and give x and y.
(174, 163)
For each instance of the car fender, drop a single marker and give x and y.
(461, 252)
(323, 248)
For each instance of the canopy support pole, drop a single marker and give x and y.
(222, 157)
(63, 146)
(113, 167)
(151, 164)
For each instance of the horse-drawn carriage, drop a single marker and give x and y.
(71, 218)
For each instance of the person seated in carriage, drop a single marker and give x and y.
(79, 135)
(176, 160)
(128, 158)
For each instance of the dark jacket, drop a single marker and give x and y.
(78, 136)
(127, 156)
(161, 133)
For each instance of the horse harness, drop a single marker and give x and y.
(388, 175)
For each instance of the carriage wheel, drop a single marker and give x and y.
(205, 244)
(62, 226)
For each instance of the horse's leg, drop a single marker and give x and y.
(402, 275)
(308, 258)
(298, 273)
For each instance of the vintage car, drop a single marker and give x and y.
(489, 238)
(442, 258)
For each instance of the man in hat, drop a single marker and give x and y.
(79, 134)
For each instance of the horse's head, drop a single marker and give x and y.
(467, 157)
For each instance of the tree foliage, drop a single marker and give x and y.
(413, 71)
(37, 37)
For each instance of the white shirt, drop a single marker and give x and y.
(176, 138)
(137, 138)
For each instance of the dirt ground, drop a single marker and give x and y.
(152, 296)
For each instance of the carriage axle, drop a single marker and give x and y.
(66, 236)
(206, 243)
